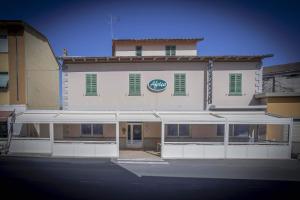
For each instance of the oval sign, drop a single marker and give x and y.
(157, 85)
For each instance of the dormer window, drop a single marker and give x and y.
(138, 50)
(171, 50)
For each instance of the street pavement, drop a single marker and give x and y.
(91, 178)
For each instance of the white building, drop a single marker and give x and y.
(158, 95)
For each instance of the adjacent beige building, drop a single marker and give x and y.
(29, 69)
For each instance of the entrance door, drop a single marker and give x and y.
(134, 135)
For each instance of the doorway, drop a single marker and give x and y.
(134, 137)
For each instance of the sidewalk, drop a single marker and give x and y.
(285, 170)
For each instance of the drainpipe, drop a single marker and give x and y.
(17, 67)
(209, 83)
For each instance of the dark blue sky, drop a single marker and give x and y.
(228, 27)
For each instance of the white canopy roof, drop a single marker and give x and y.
(62, 116)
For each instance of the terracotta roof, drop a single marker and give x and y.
(157, 39)
(140, 59)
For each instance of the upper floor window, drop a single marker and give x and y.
(179, 84)
(138, 50)
(235, 84)
(91, 84)
(134, 85)
(171, 50)
(3, 42)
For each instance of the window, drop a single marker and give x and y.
(171, 50)
(138, 50)
(179, 85)
(4, 80)
(134, 85)
(235, 84)
(3, 42)
(91, 129)
(3, 130)
(178, 130)
(91, 84)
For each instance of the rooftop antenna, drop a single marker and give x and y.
(111, 22)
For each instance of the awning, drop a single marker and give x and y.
(61, 116)
(3, 80)
(190, 117)
(138, 117)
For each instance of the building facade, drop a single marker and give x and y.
(157, 95)
(281, 95)
(29, 71)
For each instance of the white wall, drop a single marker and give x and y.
(221, 83)
(113, 87)
(156, 50)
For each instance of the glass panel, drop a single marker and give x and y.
(137, 132)
(97, 129)
(184, 130)
(86, 129)
(195, 133)
(129, 132)
(258, 133)
(3, 129)
(172, 130)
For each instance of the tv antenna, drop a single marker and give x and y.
(112, 20)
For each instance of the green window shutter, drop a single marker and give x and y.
(134, 84)
(138, 50)
(179, 85)
(91, 84)
(235, 84)
(170, 50)
(173, 50)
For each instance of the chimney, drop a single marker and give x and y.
(65, 52)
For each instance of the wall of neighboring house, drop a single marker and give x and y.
(113, 86)
(284, 106)
(251, 83)
(289, 82)
(155, 49)
(42, 73)
(4, 94)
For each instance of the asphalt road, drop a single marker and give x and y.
(62, 178)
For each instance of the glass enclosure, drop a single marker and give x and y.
(85, 132)
(258, 133)
(194, 133)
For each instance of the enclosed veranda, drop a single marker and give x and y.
(177, 135)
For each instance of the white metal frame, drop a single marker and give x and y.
(225, 118)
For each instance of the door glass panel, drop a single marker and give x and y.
(137, 132)
(129, 132)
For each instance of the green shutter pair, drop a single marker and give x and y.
(134, 85)
(171, 50)
(138, 50)
(91, 84)
(235, 84)
(179, 85)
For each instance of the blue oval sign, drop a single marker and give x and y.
(157, 85)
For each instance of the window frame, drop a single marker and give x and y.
(135, 90)
(180, 93)
(170, 50)
(235, 92)
(92, 131)
(138, 50)
(91, 93)
(178, 131)
(4, 42)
